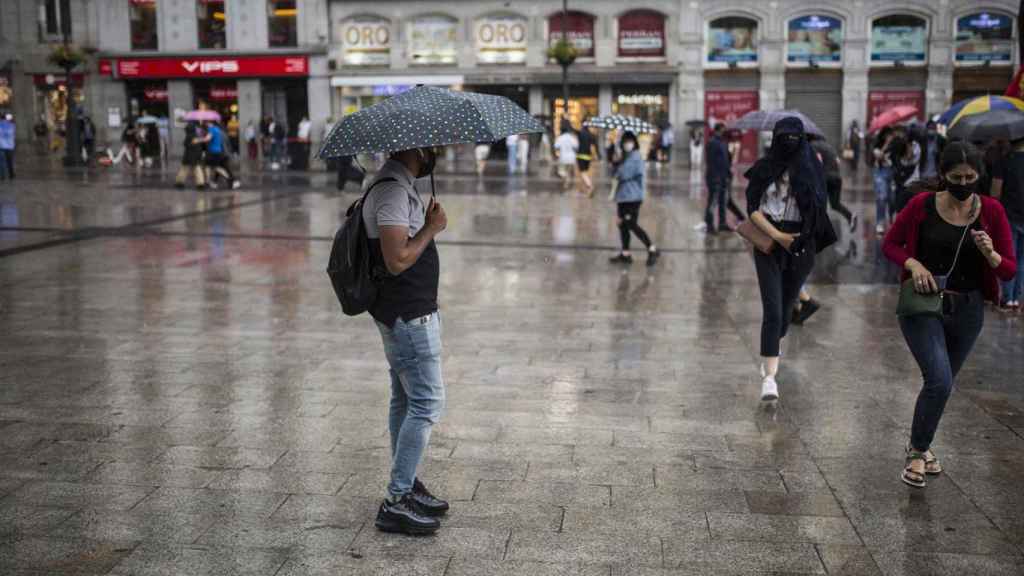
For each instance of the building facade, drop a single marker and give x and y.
(662, 60)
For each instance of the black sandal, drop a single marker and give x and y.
(911, 478)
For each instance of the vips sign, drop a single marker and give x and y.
(501, 40)
(221, 67)
(727, 106)
(366, 41)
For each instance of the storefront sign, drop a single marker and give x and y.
(219, 67)
(642, 34)
(501, 39)
(579, 31)
(899, 39)
(366, 41)
(105, 67)
(727, 106)
(815, 39)
(732, 39)
(155, 94)
(56, 80)
(224, 93)
(390, 89)
(984, 37)
(882, 100)
(432, 40)
(641, 99)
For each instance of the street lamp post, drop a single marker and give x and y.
(565, 63)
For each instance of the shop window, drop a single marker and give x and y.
(641, 34)
(282, 23)
(984, 38)
(579, 31)
(143, 24)
(54, 20)
(211, 20)
(901, 38)
(731, 41)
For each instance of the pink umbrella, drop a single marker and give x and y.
(202, 116)
(892, 116)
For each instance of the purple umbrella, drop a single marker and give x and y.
(764, 121)
(202, 116)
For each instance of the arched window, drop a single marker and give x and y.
(432, 40)
(899, 38)
(501, 38)
(731, 39)
(365, 41)
(642, 34)
(579, 31)
(815, 39)
(984, 37)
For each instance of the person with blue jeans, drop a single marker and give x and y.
(629, 195)
(7, 143)
(1008, 188)
(401, 228)
(883, 180)
(955, 242)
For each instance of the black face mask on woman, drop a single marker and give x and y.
(961, 191)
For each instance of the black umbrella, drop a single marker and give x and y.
(427, 116)
(620, 122)
(991, 125)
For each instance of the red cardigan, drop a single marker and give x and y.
(901, 242)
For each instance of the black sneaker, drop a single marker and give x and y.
(621, 259)
(807, 310)
(405, 517)
(428, 503)
(652, 257)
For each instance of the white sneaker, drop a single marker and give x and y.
(236, 185)
(880, 229)
(769, 389)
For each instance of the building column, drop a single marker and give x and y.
(604, 99)
(318, 91)
(772, 95)
(855, 82)
(938, 95)
(250, 108)
(536, 100)
(179, 97)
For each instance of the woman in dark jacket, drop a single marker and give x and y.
(957, 242)
(786, 199)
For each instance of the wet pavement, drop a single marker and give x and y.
(181, 395)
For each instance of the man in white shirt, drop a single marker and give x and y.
(566, 146)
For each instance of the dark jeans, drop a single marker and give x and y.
(718, 191)
(9, 155)
(738, 214)
(780, 275)
(835, 192)
(629, 213)
(940, 346)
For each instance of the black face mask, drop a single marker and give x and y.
(785, 146)
(429, 161)
(961, 191)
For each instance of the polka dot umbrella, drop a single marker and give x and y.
(620, 122)
(427, 116)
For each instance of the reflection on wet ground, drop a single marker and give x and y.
(181, 395)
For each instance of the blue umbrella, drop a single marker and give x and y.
(427, 116)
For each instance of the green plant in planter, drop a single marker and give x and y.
(66, 56)
(562, 52)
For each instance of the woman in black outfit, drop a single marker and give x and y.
(786, 199)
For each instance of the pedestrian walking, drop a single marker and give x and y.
(954, 247)
(906, 162)
(524, 152)
(217, 155)
(303, 135)
(251, 141)
(233, 130)
(718, 173)
(278, 144)
(696, 147)
(8, 142)
(735, 146)
(150, 143)
(629, 196)
(42, 133)
(854, 143)
(1008, 188)
(932, 150)
(668, 139)
(566, 146)
(512, 152)
(401, 231)
(785, 201)
(88, 131)
(882, 176)
(191, 159)
(481, 152)
(584, 156)
(833, 179)
(163, 128)
(129, 145)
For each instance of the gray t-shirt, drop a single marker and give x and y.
(393, 203)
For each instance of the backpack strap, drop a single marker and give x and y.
(375, 182)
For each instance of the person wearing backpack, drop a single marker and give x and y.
(400, 228)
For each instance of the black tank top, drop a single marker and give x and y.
(936, 249)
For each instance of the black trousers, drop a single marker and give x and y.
(215, 161)
(780, 275)
(629, 213)
(718, 192)
(835, 191)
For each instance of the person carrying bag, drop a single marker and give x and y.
(942, 316)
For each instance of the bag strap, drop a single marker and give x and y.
(375, 182)
(956, 257)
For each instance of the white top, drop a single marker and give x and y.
(566, 144)
(512, 140)
(777, 205)
(304, 128)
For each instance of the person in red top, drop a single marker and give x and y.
(957, 241)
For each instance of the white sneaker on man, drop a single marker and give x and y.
(769, 389)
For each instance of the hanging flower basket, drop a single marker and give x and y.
(65, 56)
(562, 52)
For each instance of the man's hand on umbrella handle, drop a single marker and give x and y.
(437, 220)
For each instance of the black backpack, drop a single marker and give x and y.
(350, 267)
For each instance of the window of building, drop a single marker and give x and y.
(282, 23)
(54, 16)
(143, 24)
(211, 20)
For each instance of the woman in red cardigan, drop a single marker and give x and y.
(956, 241)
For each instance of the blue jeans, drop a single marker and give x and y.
(513, 157)
(1014, 289)
(883, 193)
(413, 350)
(940, 346)
(718, 191)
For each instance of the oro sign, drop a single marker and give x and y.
(501, 39)
(366, 41)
